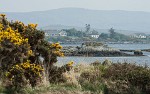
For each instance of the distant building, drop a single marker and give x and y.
(55, 33)
(94, 35)
(139, 35)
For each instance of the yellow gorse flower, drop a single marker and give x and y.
(32, 25)
(57, 49)
(13, 36)
(26, 67)
(30, 53)
(1, 27)
(3, 15)
(56, 45)
(70, 64)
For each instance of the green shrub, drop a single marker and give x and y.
(140, 77)
(120, 87)
(136, 76)
(119, 71)
(95, 87)
(107, 62)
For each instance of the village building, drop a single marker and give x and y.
(94, 35)
(139, 35)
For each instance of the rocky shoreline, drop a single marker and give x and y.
(97, 50)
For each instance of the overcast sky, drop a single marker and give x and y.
(40, 5)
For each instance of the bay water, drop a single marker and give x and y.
(142, 60)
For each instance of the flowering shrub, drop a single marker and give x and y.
(70, 64)
(19, 44)
(1, 26)
(24, 70)
(14, 48)
(56, 47)
(55, 51)
(12, 36)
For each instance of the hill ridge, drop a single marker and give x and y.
(100, 19)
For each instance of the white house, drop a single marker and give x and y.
(139, 35)
(94, 36)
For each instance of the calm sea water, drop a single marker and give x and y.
(121, 46)
(134, 59)
(130, 46)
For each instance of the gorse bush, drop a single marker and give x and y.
(24, 70)
(21, 47)
(14, 50)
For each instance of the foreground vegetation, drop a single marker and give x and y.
(27, 66)
(96, 78)
(26, 57)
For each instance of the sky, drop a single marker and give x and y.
(41, 5)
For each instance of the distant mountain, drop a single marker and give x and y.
(135, 21)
